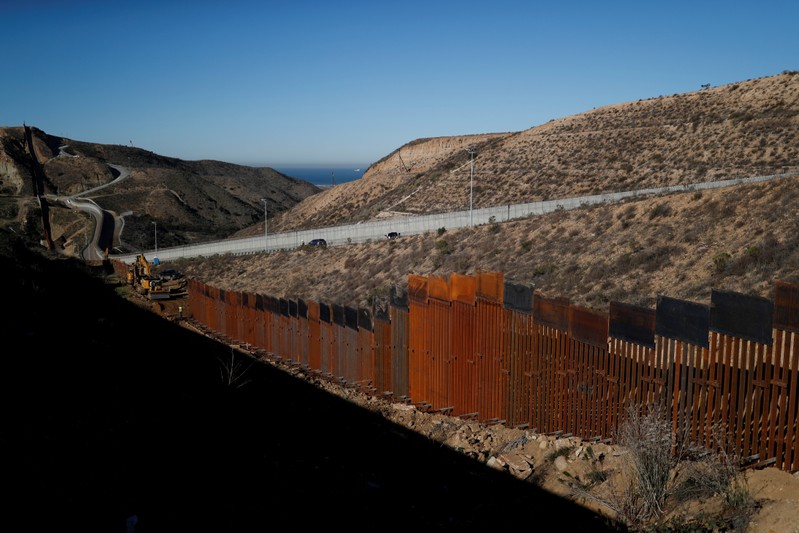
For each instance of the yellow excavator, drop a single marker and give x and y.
(141, 278)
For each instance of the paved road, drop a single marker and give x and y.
(410, 225)
(105, 223)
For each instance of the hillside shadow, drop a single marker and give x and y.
(113, 412)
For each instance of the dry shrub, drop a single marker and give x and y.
(663, 471)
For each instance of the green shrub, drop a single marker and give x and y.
(565, 451)
(720, 261)
(660, 210)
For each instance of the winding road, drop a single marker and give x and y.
(105, 223)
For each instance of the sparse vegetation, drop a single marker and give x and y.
(660, 210)
(443, 247)
(662, 471)
(720, 261)
(526, 246)
(543, 270)
(233, 372)
(379, 296)
(564, 451)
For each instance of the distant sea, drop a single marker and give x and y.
(323, 176)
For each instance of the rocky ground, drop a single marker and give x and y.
(553, 462)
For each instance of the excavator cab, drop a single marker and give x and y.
(140, 276)
(156, 291)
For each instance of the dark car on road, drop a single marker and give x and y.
(318, 242)
(392, 235)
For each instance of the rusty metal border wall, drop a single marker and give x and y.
(463, 291)
(475, 346)
(418, 341)
(314, 356)
(350, 346)
(551, 342)
(383, 368)
(327, 352)
(365, 360)
(493, 368)
(292, 333)
(438, 358)
(260, 321)
(400, 358)
(303, 332)
(518, 342)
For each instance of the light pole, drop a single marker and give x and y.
(155, 231)
(264, 201)
(471, 183)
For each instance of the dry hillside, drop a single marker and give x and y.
(740, 238)
(743, 129)
(381, 191)
(190, 201)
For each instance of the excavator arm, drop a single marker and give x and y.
(140, 276)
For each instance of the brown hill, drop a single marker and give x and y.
(740, 238)
(743, 129)
(190, 201)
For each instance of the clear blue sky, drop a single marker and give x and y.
(268, 83)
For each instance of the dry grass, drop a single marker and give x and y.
(739, 130)
(739, 239)
(629, 252)
(666, 484)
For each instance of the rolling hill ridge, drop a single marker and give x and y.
(190, 201)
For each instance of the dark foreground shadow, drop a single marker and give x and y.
(110, 412)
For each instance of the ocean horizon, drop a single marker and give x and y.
(324, 176)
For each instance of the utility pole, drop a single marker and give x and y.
(155, 230)
(470, 150)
